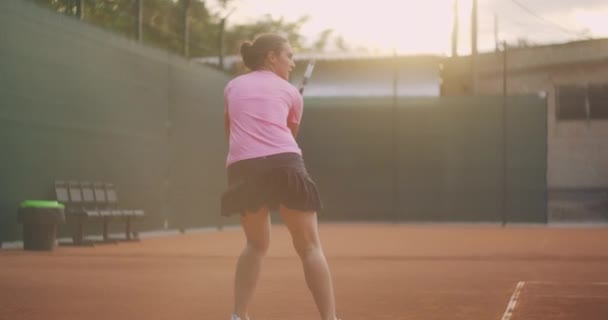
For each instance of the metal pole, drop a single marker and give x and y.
(455, 31)
(497, 43)
(221, 39)
(221, 44)
(474, 48)
(395, 138)
(140, 19)
(505, 184)
(186, 29)
(80, 9)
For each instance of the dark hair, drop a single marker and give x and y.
(254, 53)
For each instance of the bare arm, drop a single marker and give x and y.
(227, 125)
(294, 116)
(294, 127)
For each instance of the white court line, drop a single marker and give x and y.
(572, 283)
(569, 296)
(513, 302)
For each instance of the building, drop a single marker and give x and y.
(574, 76)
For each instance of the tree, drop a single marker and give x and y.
(61, 6)
(321, 42)
(247, 31)
(164, 25)
(341, 44)
(116, 15)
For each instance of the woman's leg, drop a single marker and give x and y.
(305, 236)
(257, 231)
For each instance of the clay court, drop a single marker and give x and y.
(381, 271)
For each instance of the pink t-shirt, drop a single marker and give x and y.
(259, 105)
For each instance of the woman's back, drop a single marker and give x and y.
(259, 105)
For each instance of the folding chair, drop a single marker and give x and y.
(62, 196)
(77, 210)
(90, 205)
(61, 192)
(112, 198)
(102, 202)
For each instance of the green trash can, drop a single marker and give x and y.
(40, 219)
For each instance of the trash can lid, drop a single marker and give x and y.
(41, 204)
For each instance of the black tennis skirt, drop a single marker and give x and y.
(270, 181)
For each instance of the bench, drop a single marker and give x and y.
(96, 203)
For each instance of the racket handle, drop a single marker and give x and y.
(303, 85)
(307, 74)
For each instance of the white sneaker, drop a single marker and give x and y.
(235, 317)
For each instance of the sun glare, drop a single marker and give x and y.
(381, 25)
(405, 26)
(595, 21)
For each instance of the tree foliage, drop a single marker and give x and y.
(163, 24)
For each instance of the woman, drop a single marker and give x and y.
(266, 171)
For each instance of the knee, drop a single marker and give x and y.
(305, 248)
(258, 248)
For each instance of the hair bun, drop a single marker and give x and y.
(246, 47)
(254, 52)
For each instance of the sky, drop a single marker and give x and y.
(421, 27)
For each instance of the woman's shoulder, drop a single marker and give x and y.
(235, 82)
(291, 88)
(262, 79)
(237, 78)
(243, 79)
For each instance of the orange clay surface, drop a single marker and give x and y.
(422, 272)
